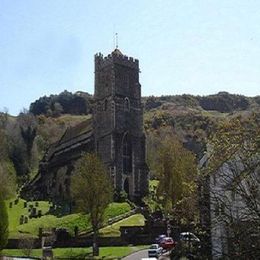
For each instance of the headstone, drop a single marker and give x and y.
(21, 219)
(25, 220)
(10, 205)
(16, 201)
(40, 233)
(34, 210)
(39, 213)
(76, 231)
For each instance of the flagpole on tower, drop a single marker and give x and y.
(116, 40)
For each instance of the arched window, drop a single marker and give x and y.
(127, 104)
(127, 155)
(126, 186)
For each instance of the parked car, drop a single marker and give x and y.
(190, 238)
(154, 251)
(167, 243)
(159, 239)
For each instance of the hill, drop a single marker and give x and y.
(190, 118)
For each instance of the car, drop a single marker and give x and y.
(190, 239)
(155, 250)
(159, 239)
(167, 243)
(188, 236)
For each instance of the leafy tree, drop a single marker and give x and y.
(91, 189)
(64, 103)
(3, 224)
(7, 188)
(177, 172)
(233, 168)
(28, 127)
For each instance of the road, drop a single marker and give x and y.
(143, 254)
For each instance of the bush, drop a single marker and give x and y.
(120, 196)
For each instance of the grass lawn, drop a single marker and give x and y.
(51, 221)
(17, 210)
(105, 252)
(114, 229)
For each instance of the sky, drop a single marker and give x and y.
(197, 47)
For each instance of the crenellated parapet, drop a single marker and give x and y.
(116, 57)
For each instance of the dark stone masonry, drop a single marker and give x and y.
(115, 132)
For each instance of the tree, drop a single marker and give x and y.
(7, 183)
(3, 224)
(7, 188)
(176, 169)
(91, 189)
(234, 174)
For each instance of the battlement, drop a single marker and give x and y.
(116, 57)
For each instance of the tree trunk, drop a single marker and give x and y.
(95, 242)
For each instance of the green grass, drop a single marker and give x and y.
(114, 229)
(51, 221)
(105, 252)
(16, 211)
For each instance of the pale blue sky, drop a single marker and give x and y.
(184, 46)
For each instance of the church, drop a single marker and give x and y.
(115, 132)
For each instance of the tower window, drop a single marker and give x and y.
(105, 105)
(126, 104)
(127, 155)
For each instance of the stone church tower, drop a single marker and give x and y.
(115, 132)
(118, 122)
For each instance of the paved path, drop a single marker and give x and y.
(142, 254)
(137, 255)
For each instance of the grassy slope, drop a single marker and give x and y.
(114, 229)
(50, 221)
(16, 211)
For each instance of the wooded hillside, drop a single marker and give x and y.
(191, 119)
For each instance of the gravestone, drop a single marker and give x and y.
(39, 213)
(25, 220)
(10, 205)
(76, 231)
(34, 211)
(21, 219)
(40, 233)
